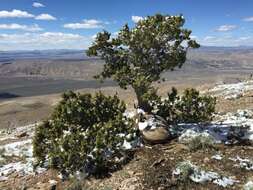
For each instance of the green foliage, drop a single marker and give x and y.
(196, 108)
(84, 133)
(191, 107)
(167, 108)
(137, 56)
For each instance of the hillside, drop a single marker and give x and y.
(227, 165)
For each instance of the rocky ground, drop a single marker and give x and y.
(228, 164)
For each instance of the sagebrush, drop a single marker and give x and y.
(201, 142)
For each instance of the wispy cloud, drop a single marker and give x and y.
(248, 19)
(85, 24)
(59, 36)
(136, 19)
(226, 28)
(227, 40)
(45, 17)
(46, 40)
(207, 38)
(15, 14)
(38, 5)
(194, 37)
(14, 26)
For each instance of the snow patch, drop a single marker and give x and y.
(148, 123)
(248, 185)
(243, 163)
(217, 157)
(225, 181)
(200, 176)
(240, 123)
(232, 91)
(22, 150)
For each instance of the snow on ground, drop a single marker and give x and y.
(239, 123)
(217, 157)
(243, 163)
(10, 134)
(200, 176)
(151, 123)
(232, 91)
(20, 149)
(17, 143)
(248, 185)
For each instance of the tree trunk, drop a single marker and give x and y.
(142, 103)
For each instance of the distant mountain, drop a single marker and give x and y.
(80, 54)
(43, 54)
(223, 49)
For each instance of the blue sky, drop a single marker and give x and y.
(54, 24)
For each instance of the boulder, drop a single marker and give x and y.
(154, 129)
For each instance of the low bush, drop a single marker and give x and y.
(196, 108)
(191, 107)
(200, 142)
(186, 169)
(77, 184)
(85, 133)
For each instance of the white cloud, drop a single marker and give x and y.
(23, 14)
(136, 19)
(226, 28)
(38, 5)
(15, 14)
(86, 24)
(248, 19)
(14, 26)
(45, 17)
(46, 40)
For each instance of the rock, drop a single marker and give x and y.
(53, 184)
(154, 129)
(53, 187)
(157, 162)
(20, 135)
(206, 160)
(131, 173)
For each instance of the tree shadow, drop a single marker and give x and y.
(7, 95)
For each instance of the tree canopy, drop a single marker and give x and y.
(137, 56)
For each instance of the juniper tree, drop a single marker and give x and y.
(84, 133)
(138, 56)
